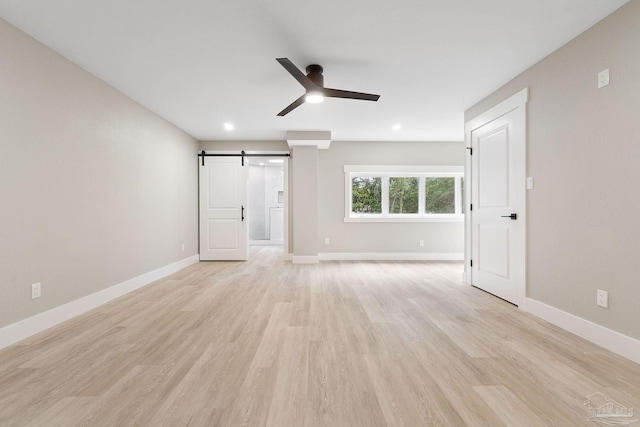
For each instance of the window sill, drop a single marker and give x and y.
(434, 218)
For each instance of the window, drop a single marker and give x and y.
(403, 193)
(440, 195)
(367, 195)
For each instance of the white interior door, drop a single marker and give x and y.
(223, 202)
(498, 205)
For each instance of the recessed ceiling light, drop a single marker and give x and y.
(261, 164)
(396, 126)
(228, 126)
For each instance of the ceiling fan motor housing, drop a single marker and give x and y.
(314, 73)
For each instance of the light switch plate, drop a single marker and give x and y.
(603, 78)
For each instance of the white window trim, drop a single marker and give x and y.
(387, 171)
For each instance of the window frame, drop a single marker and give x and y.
(402, 171)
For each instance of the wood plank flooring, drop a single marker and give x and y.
(268, 343)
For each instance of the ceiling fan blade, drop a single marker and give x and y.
(337, 93)
(296, 73)
(295, 104)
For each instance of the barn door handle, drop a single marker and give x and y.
(242, 214)
(513, 216)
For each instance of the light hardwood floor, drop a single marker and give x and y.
(336, 344)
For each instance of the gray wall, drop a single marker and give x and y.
(94, 189)
(354, 237)
(584, 152)
(304, 200)
(272, 146)
(359, 237)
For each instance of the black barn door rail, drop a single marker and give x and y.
(242, 154)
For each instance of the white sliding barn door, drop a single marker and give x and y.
(498, 203)
(223, 203)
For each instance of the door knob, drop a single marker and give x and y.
(513, 216)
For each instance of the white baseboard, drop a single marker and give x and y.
(391, 256)
(613, 341)
(18, 331)
(305, 259)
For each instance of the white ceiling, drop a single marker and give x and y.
(201, 63)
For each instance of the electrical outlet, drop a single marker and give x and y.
(421, 243)
(326, 241)
(36, 291)
(602, 298)
(183, 247)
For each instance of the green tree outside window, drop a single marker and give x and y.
(403, 195)
(366, 194)
(440, 195)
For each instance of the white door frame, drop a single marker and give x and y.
(286, 190)
(517, 103)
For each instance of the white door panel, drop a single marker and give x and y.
(493, 250)
(223, 192)
(225, 195)
(493, 169)
(223, 234)
(497, 167)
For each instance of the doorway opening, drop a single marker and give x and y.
(266, 200)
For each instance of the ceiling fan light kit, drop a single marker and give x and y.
(313, 83)
(314, 97)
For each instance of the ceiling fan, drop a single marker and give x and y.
(313, 84)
